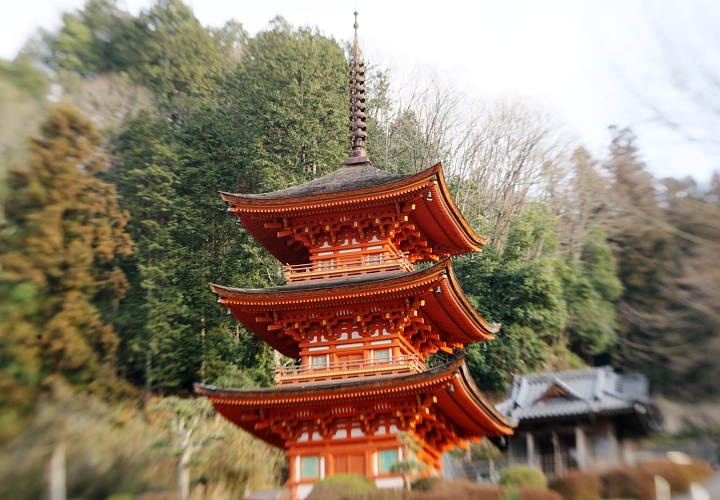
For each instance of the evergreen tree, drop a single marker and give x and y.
(170, 52)
(668, 327)
(520, 290)
(61, 244)
(89, 42)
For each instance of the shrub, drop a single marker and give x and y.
(697, 471)
(341, 487)
(465, 489)
(578, 485)
(672, 473)
(455, 490)
(523, 475)
(425, 483)
(628, 482)
(510, 494)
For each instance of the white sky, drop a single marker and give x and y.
(572, 55)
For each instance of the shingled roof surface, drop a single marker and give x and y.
(575, 392)
(343, 179)
(325, 283)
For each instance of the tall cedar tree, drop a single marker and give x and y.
(668, 319)
(60, 249)
(278, 120)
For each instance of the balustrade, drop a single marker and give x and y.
(354, 368)
(336, 268)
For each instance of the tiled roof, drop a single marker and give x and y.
(346, 178)
(324, 283)
(576, 392)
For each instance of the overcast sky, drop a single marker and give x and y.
(577, 57)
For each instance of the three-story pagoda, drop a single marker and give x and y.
(361, 320)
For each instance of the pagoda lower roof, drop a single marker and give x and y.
(448, 310)
(457, 398)
(353, 189)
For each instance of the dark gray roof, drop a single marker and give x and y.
(324, 283)
(578, 392)
(347, 178)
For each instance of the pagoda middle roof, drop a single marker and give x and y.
(458, 399)
(449, 310)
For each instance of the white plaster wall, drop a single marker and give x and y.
(389, 482)
(303, 490)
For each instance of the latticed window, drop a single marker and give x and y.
(387, 458)
(309, 467)
(382, 355)
(319, 361)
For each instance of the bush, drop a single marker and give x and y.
(523, 475)
(672, 473)
(697, 471)
(342, 487)
(455, 490)
(628, 482)
(639, 482)
(425, 483)
(578, 485)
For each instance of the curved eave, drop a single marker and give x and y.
(449, 311)
(443, 225)
(458, 398)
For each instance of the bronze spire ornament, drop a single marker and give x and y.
(358, 127)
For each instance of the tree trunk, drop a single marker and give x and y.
(57, 474)
(184, 474)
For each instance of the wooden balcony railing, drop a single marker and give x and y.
(346, 369)
(336, 268)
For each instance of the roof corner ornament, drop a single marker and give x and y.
(358, 127)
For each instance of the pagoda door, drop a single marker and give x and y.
(349, 361)
(350, 464)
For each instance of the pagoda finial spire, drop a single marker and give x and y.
(358, 127)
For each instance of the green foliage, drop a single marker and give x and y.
(510, 494)
(341, 487)
(61, 244)
(523, 475)
(523, 295)
(26, 77)
(590, 289)
(425, 483)
(280, 118)
(171, 52)
(89, 42)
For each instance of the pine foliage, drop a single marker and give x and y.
(61, 244)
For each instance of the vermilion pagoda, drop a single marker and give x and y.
(361, 320)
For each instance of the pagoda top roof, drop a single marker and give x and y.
(458, 399)
(354, 188)
(346, 178)
(448, 310)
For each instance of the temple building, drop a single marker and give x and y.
(361, 320)
(584, 419)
